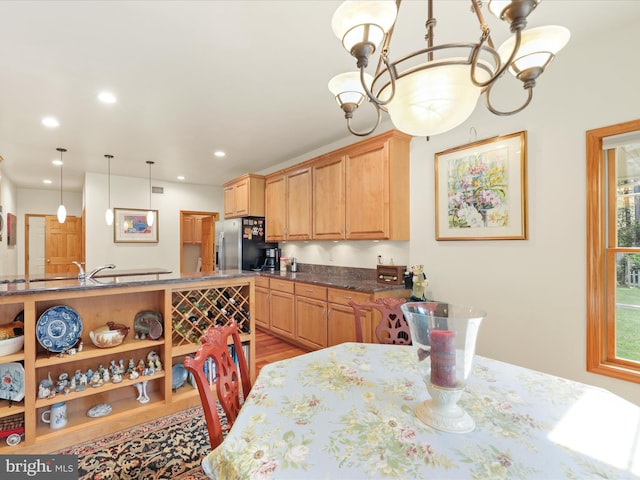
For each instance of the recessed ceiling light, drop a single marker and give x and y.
(107, 97)
(180, 177)
(47, 181)
(50, 122)
(57, 162)
(219, 153)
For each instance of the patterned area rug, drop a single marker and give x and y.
(170, 447)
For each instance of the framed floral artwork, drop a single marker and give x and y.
(130, 226)
(481, 190)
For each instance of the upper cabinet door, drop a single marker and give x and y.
(299, 204)
(276, 208)
(377, 188)
(367, 198)
(229, 202)
(329, 198)
(244, 196)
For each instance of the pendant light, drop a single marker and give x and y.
(150, 212)
(62, 211)
(108, 215)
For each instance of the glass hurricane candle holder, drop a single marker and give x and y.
(444, 339)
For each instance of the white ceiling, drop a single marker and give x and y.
(248, 77)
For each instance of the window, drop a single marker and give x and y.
(613, 251)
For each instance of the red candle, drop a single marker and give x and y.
(443, 358)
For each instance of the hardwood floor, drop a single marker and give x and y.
(271, 349)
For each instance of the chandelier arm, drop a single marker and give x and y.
(503, 66)
(512, 112)
(364, 134)
(392, 76)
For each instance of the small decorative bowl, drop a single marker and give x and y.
(11, 345)
(112, 335)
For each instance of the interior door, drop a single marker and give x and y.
(206, 247)
(63, 244)
(35, 245)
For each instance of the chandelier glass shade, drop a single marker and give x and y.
(449, 101)
(360, 28)
(538, 46)
(435, 89)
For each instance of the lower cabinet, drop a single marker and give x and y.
(261, 315)
(311, 315)
(314, 316)
(282, 309)
(342, 323)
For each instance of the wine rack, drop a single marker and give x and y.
(194, 311)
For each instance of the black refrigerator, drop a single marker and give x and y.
(240, 244)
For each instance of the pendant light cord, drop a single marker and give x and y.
(149, 162)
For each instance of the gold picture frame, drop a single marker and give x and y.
(130, 226)
(481, 190)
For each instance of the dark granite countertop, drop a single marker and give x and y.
(358, 279)
(9, 285)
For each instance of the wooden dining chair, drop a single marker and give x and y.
(214, 345)
(392, 328)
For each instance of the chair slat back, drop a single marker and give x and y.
(214, 345)
(392, 328)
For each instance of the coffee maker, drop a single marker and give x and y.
(271, 259)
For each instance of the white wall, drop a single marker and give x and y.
(128, 192)
(8, 255)
(534, 291)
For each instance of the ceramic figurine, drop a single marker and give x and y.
(43, 391)
(158, 364)
(142, 392)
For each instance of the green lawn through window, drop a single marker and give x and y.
(628, 323)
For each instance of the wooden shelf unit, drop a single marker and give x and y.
(176, 301)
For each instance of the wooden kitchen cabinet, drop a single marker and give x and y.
(262, 311)
(288, 202)
(341, 317)
(282, 308)
(191, 229)
(244, 196)
(359, 192)
(276, 208)
(311, 315)
(329, 198)
(377, 188)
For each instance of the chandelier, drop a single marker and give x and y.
(435, 89)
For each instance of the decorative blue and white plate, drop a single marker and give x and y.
(59, 328)
(12, 381)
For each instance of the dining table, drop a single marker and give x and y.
(347, 412)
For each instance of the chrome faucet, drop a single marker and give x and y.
(81, 274)
(99, 269)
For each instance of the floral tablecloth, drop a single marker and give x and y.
(346, 412)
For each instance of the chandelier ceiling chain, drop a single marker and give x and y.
(427, 98)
